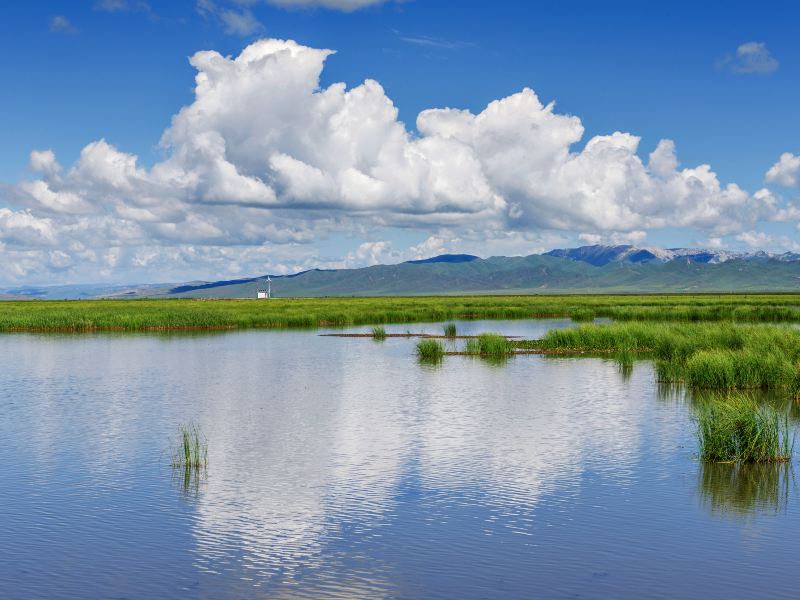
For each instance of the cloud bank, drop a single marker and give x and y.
(264, 163)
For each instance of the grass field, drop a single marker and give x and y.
(142, 315)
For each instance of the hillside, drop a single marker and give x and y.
(529, 274)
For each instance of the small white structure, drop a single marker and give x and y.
(265, 294)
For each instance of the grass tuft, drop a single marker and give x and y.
(489, 344)
(740, 429)
(191, 452)
(430, 350)
(450, 330)
(378, 333)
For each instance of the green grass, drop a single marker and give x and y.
(582, 315)
(450, 330)
(378, 333)
(625, 359)
(191, 451)
(430, 350)
(472, 346)
(489, 344)
(709, 355)
(738, 428)
(184, 314)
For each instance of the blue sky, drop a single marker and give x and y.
(76, 72)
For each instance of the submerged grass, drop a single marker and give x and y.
(430, 350)
(378, 333)
(191, 451)
(188, 313)
(740, 429)
(450, 330)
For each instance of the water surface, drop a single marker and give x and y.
(340, 467)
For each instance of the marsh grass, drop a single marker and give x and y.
(450, 330)
(189, 313)
(191, 451)
(493, 344)
(378, 333)
(489, 344)
(625, 359)
(583, 315)
(472, 346)
(738, 428)
(430, 350)
(708, 355)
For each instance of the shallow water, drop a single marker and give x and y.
(340, 467)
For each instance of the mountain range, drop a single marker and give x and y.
(587, 269)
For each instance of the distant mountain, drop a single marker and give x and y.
(589, 269)
(83, 291)
(577, 270)
(598, 255)
(444, 258)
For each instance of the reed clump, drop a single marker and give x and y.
(450, 330)
(430, 350)
(489, 344)
(738, 428)
(191, 451)
(378, 333)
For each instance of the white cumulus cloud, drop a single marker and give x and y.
(264, 162)
(786, 171)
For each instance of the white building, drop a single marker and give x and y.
(265, 293)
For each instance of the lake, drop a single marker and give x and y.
(341, 468)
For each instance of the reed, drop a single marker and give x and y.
(625, 359)
(472, 346)
(489, 344)
(493, 344)
(583, 315)
(450, 330)
(378, 333)
(430, 350)
(191, 451)
(738, 428)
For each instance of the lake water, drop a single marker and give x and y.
(342, 468)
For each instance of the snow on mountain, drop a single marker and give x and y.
(599, 255)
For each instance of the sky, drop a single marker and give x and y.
(146, 141)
